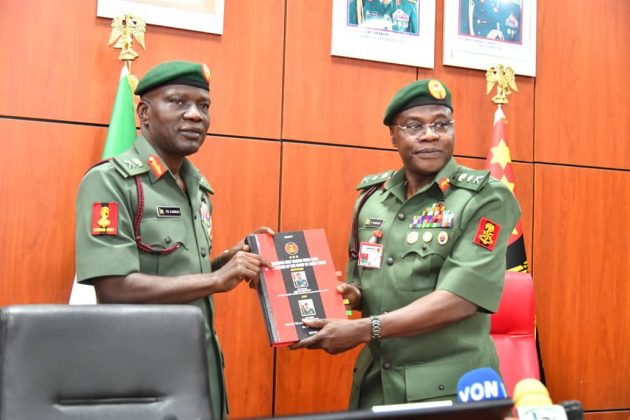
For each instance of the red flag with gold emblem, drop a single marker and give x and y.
(499, 163)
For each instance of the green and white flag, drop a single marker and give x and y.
(120, 135)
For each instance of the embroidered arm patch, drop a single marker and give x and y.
(104, 219)
(487, 234)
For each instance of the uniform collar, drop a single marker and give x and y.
(189, 172)
(148, 156)
(396, 185)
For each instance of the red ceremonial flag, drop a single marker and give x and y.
(499, 163)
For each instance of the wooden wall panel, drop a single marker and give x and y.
(581, 254)
(608, 415)
(333, 99)
(582, 88)
(74, 77)
(42, 165)
(318, 191)
(245, 177)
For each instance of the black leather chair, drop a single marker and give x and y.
(103, 362)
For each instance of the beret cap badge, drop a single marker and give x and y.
(206, 72)
(436, 89)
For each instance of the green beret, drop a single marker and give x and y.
(420, 92)
(175, 73)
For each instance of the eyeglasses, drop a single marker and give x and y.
(415, 128)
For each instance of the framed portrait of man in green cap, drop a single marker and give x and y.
(391, 31)
(480, 34)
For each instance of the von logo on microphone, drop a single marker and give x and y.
(480, 385)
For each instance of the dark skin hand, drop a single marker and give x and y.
(226, 255)
(352, 293)
(433, 311)
(239, 265)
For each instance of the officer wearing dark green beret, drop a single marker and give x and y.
(144, 218)
(427, 262)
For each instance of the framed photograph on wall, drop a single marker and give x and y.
(194, 15)
(479, 34)
(391, 31)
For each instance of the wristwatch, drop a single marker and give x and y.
(376, 328)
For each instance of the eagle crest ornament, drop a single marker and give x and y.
(505, 80)
(124, 29)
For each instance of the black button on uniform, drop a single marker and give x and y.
(441, 387)
(425, 247)
(168, 240)
(401, 216)
(390, 261)
(203, 252)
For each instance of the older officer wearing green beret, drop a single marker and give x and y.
(427, 262)
(144, 218)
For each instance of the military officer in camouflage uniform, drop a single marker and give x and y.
(427, 262)
(144, 218)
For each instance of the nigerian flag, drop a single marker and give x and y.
(122, 124)
(120, 134)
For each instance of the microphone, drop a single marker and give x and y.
(481, 384)
(532, 402)
(573, 409)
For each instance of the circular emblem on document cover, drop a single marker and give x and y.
(291, 248)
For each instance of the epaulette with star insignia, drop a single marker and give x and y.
(375, 179)
(470, 179)
(128, 164)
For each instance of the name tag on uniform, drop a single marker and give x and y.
(370, 255)
(164, 211)
(374, 223)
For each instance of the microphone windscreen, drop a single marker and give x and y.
(530, 392)
(480, 385)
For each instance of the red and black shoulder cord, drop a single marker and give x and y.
(354, 249)
(137, 218)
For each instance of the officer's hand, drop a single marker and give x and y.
(351, 292)
(337, 335)
(240, 246)
(243, 266)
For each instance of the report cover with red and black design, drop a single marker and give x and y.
(301, 284)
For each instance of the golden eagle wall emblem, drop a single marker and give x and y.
(505, 80)
(124, 29)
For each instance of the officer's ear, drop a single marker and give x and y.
(393, 137)
(143, 111)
